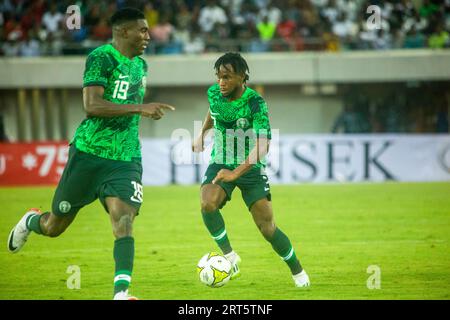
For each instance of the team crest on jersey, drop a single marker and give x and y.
(242, 123)
(65, 206)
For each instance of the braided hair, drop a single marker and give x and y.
(236, 61)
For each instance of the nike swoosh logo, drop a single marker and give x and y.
(122, 76)
(10, 240)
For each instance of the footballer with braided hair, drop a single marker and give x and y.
(239, 117)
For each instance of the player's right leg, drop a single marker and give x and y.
(212, 197)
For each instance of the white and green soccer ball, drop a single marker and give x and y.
(214, 270)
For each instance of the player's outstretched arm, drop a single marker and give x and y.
(197, 143)
(95, 105)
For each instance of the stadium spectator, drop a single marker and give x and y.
(366, 36)
(161, 36)
(415, 20)
(266, 29)
(291, 11)
(285, 31)
(101, 31)
(272, 12)
(151, 15)
(383, 41)
(310, 23)
(52, 19)
(211, 15)
(28, 19)
(30, 47)
(345, 29)
(38, 9)
(439, 39)
(13, 31)
(330, 12)
(393, 114)
(249, 13)
(77, 36)
(195, 43)
(414, 39)
(183, 18)
(11, 48)
(236, 20)
(92, 17)
(351, 121)
(329, 39)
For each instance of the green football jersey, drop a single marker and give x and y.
(237, 125)
(124, 80)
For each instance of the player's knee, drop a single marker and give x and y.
(123, 226)
(209, 206)
(267, 229)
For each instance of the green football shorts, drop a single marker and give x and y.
(87, 177)
(254, 184)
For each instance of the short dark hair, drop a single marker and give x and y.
(236, 61)
(125, 15)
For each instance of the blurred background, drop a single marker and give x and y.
(330, 67)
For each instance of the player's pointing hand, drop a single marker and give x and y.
(155, 110)
(225, 175)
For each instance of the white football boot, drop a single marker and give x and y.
(301, 280)
(19, 234)
(123, 295)
(235, 260)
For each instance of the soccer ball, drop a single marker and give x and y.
(214, 270)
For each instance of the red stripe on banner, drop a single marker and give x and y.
(39, 163)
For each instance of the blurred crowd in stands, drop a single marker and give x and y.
(401, 108)
(38, 27)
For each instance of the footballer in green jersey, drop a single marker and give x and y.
(239, 118)
(105, 155)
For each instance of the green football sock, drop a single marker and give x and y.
(123, 257)
(34, 222)
(281, 244)
(216, 227)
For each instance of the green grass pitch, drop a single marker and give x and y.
(338, 231)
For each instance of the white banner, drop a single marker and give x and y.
(314, 159)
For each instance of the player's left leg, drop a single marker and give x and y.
(47, 224)
(263, 216)
(122, 216)
(122, 195)
(75, 189)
